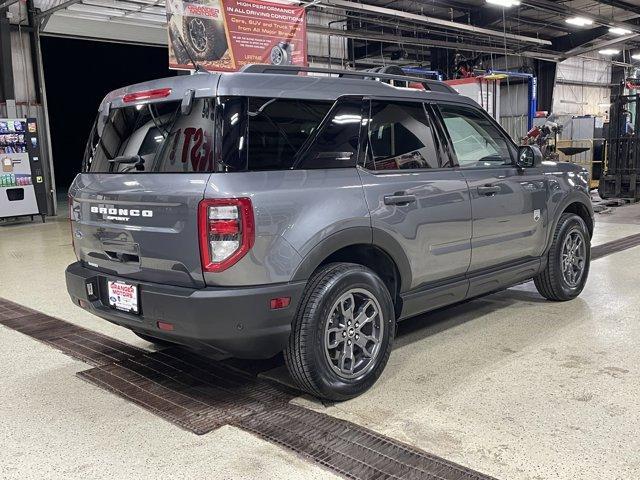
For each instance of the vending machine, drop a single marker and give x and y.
(22, 187)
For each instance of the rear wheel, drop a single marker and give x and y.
(568, 261)
(343, 331)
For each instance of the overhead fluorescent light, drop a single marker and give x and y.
(579, 21)
(609, 51)
(504, 3)
(619, 31)
(636, 56)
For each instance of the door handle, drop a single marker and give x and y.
(489, 190)
(399, 198)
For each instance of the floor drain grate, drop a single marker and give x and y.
(77, 342)
(200, 394)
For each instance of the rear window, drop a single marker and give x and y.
(250, 134)
(155, 137)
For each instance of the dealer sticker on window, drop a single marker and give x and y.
(123, 296)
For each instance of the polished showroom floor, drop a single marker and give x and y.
(510, 385)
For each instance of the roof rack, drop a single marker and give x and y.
(428, 84)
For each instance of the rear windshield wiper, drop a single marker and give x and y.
(136, 161)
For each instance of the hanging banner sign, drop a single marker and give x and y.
(224, 35)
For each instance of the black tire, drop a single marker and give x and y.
(551, 283)
(204, 38)
(306, 356)
(155, 341)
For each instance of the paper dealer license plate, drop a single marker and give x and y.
(123, 296)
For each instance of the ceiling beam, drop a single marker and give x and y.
(574, 40)
(563, 9)
(52, 10)
(400, 40)
(373, 9)
(427, 42)
(600, 45)
(620, 4)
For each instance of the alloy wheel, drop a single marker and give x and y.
(353, 333)
(574, 257)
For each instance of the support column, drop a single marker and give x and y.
(441, 60)
(7, 90)
(618, 77)
(38, 72)
(546, 73)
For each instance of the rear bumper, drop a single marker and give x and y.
(235, 321)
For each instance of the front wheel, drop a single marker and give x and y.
(568, 261)
(343, 331)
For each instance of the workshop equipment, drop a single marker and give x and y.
(623, 155)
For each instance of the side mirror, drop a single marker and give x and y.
(529, 156)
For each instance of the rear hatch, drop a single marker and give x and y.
(134, 209)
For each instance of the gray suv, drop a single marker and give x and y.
(265, 211)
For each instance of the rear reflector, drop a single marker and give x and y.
(280, 302)
(146, 95)
(167, 327)
(227, 232)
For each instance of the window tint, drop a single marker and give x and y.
(336, 143)
(231, 125)
(166, 140)
(279, 128)
(400, 137)
(477, 142)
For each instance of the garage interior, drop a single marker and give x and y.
(505, 386)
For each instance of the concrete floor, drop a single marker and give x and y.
(510, 384)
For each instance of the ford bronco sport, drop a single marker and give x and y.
(263, 211)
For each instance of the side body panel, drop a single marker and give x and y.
(435, 230)
(568, 183)
(141, 226)
(511, 224)
(295, 210)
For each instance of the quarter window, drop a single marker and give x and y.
(336, 144)
(400, 137)
(477, 142)
(279, 128)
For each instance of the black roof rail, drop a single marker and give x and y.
(429, 84)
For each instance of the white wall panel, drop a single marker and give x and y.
(318, 45)
(582, 98)
(585, 70)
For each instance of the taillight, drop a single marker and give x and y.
(227, 231)
(146, 95)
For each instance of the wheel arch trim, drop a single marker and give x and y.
(566, 202)
(356, 236)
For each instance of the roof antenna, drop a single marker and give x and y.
(198, 68)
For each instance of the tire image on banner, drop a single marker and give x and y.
(201, 27)
(225, 35)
